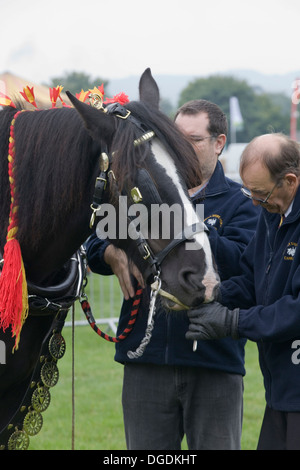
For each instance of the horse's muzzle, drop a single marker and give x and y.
(173, 303)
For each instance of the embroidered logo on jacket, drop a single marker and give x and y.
(214, 220)
(290, 251)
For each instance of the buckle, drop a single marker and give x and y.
(126, 115)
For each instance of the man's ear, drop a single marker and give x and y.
(220, 143)
(291, 179)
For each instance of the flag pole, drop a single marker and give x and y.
(236, 119)
(295, 101)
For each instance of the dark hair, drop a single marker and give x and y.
(217, 119)
(280, 162)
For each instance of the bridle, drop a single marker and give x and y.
(154, 261)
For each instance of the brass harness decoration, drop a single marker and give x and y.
(32, 422)
(27, 421)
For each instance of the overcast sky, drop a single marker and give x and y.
(40, 39)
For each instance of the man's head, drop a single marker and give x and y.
(270, 171)
(205, 126)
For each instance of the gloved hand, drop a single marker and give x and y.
(213, 321)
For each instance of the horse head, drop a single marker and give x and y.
(150, 164)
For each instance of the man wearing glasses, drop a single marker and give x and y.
(263, 304)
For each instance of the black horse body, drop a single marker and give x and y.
(57, 162)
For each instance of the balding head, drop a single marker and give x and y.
(279, 154)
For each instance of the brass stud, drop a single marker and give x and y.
(136, 195)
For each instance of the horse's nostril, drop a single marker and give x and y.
(189, 280)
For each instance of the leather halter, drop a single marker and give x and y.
(154, 261)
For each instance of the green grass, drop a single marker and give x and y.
(98, 388)
(254, 399)
(98, 409)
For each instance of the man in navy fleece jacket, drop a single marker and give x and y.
(263, 304)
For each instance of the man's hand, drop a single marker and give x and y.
(213, 321)
(122, 268)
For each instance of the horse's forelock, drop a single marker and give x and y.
(129, 158)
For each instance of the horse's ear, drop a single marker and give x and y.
(100, 125)
(149, 92)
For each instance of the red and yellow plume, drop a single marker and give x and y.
(55, 93)
(28, 95)
(83, 95)
(121, 98)
(5, 100)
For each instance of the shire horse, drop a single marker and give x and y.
(57, 158)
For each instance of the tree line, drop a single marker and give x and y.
(262, 112)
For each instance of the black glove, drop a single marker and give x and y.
(213, 321)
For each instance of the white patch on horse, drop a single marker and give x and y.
(191, 217)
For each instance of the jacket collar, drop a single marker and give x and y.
(295, 212)
(293, 215)
(217, 184)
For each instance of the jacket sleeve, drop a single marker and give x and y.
(239, 291)
(95, 249)
(269, 323)
(279, 321)
(230, 240)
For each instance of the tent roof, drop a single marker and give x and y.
(11, 85)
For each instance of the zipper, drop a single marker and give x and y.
(269, 263)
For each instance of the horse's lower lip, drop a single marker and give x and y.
(172, 301)
(170, 305)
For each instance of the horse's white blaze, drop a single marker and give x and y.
(191, 217)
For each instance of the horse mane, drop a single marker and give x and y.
(54, 160)
(128, 158)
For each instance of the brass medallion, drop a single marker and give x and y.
(40, 399)
(57, 346)
(32, 423)
(18, 441)
(49, 374)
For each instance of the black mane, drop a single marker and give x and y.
(53, 167)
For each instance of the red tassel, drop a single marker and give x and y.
(10, 280)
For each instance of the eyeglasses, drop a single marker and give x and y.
(248, 194)
(198, 140)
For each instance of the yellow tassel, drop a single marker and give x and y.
(25, 306)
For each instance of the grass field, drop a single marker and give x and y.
(98, 383)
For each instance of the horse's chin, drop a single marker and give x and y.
(170, 305)
(170, 302)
